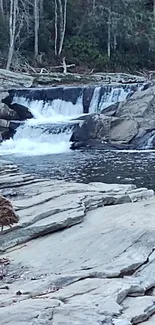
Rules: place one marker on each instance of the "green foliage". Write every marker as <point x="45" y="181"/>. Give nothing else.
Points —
<point x="132" y="35"/>
<point x="4" y="34"/>
<point x="83" y="51"/>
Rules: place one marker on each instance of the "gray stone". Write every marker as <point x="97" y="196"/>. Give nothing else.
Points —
<point x="150" y="321"/>
<point x="141" y="104"/>
<point x="123" y="131"/>
<point x="9" y="79"/>
<point x="7" y="113"/>
<point x="82" y="254"/>
<point x="120" y="322"/>
<point x="139" y="309"/>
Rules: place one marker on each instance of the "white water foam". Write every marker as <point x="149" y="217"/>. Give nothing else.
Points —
<point x="32" y="139"/>
<point x="93" y="108"/>
<point x="55" y="111"/>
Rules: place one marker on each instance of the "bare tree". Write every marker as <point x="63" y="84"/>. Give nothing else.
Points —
<point x="154" y="8"/>
<point x="109" y="34"/>
<point x="56" y="26"/>
<point x="2" y="7"/>
<point x="94" y="4"/>
<point x="63" y="16"/>
<point x="12" y="30"/>
<point x="41" y="6"/>
<point x="36" y="28"/>
<point x="60" y="24"/>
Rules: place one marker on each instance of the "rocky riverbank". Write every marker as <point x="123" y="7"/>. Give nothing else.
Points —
<point x="125" y="125"/>
<point x="9" y="79"/>
<point x="81" y="254"/>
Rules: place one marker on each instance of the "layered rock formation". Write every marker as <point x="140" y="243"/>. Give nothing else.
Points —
<point x="82" y="254"/>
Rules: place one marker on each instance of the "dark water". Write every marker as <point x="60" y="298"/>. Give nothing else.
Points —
<point x="93" y="165"/>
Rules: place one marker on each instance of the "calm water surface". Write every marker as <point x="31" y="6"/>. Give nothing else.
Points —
<point x="93" y="166"/>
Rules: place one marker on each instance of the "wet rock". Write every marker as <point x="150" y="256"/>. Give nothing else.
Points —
<point x="94" y="127"/>
<point x="22" y="111"/>
<point x="123" y="131"/>
<point x="140" y="105"/>
<point x="109" y="132"/>
<point x="6" y="113"/>
<point x="112" y="109"/>
<point x="87" y="97"/>
<point x="7" y="129"/>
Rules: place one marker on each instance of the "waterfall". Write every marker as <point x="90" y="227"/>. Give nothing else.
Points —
<point x="114" y="96"/>
<point x="45" y="133"/>
<point x="54" y="112"/>
<point x="31" y="140"/>
<point x="93" y="108"/>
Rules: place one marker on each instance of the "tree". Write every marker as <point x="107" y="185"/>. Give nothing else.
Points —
<point x="36" y="28"/>
<point x="12" y="30"/>
<point x="93" y="34"/>
<point x="60" y="24"/>
<point x="2" y="7"/>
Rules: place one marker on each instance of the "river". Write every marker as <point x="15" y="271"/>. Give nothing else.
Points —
<point x="93" y="166"/>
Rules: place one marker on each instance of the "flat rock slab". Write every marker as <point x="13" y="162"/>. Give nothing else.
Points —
<point x="81" y="253"/>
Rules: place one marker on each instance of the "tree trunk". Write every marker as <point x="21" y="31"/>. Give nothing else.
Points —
<point x="12" y="30"/>
<point x="63" y="16"/>
<point x="2" y="7"/>
<point x="109" y="36"/>
<point x="36" y="28"/>
<point x="115" y="42"/>
<point x="56" y="27"/>
<point x="109" y="29"/>
<point x="94" y="4"/>
<point x="41" y="6"/>
<point x="154" y="8"/>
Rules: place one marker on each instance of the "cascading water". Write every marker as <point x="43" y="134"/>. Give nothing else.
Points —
<point x="35" y="137"/>
<point x="40" y="135"/>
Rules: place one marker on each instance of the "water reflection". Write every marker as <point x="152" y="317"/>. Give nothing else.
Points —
<point x="89" y="166"/>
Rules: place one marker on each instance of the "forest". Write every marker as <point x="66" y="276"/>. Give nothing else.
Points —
<point x="98" y="35"/>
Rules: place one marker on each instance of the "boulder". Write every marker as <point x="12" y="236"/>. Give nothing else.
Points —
<point x="140" y="105"/>
<point x="7" y="113"/>
<point x="123" y="130"/>
<point x="7" y="129"/>
<point x="112" y="109"/>
<point x="20" y="111"/>
<point x="95" y="126"/>
<point x="111" y="132"/>
<point x="4" y="124"/>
